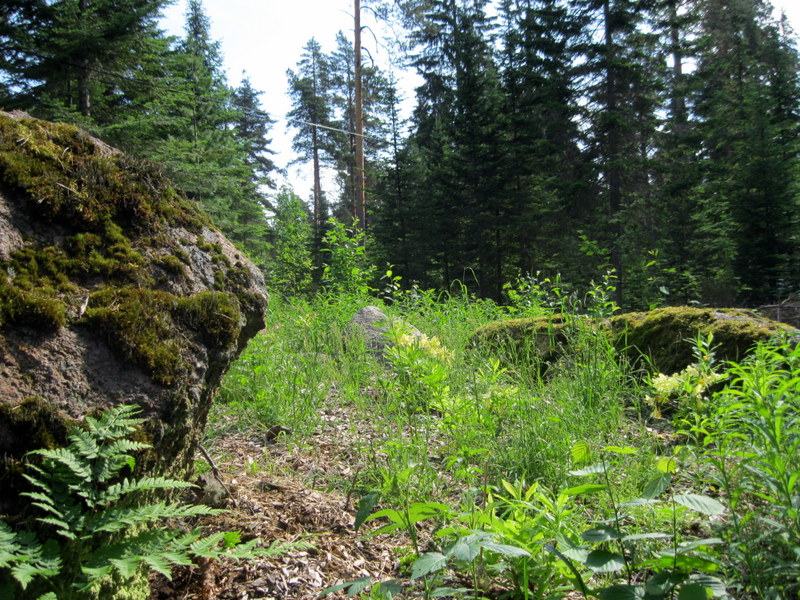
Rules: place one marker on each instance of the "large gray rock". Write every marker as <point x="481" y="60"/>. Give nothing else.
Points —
<point x="373" y="326"/>
<point x="114" y="288"/>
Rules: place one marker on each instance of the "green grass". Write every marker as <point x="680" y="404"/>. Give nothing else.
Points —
<point x="503" y="446"/>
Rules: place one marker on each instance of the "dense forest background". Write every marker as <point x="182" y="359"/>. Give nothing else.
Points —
<point x="655" y="141"/>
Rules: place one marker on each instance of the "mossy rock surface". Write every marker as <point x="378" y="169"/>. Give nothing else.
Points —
<point x="665" y="335"/>
<point x="662" y="335"/>
<point x="539" y="339"/>
<point x="114" y="288"/>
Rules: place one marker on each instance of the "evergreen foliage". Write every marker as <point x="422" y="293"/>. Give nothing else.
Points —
<point x="666" y="132"/>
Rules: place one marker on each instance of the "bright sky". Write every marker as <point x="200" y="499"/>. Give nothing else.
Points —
<point x="266" y="37"/>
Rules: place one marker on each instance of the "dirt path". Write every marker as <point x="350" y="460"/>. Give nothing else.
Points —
<point x="272" y="498"/>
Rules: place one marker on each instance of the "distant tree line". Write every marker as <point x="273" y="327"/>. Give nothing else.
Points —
<point x="654" y="139"/>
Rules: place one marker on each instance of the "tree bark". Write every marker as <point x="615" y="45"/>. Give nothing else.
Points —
<point x="359" y="206"/>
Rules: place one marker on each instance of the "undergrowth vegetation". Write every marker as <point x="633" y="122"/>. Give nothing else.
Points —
<point x="512" y="478"/>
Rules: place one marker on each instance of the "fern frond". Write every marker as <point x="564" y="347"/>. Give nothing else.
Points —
<point x="119" y="518"/>
<point x="124" y="446"/>
<point x="44" y="501"/>
<point x="247" y="550"/>
<point x="66" y="458"/>
<point x="114" y="423"/>
<point x="27" y="558"/>
<point x="207" y="547"/>
<point x="62" y="527"/>
<point x="84" y="444"/>
<point x="159" y="563"/>
<point x="127" y="486"/>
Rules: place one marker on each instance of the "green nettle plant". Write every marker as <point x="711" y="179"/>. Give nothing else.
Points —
<point x="751" y="444"/>
<point x="653" y="564"/>
<point x="101" y="526"/>
<point x="420" y="364"/>
<point x="687" y="393"/>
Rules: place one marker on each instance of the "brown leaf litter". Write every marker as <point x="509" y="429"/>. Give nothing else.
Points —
<point x="272" y="498"/>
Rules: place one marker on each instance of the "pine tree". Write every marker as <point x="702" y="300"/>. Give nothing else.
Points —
<point x="311" y="117"/>
<point x="376" y="93"/>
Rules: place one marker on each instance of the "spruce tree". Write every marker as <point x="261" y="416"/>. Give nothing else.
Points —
<point x="66" y="59"/>
<point x="546" y="171"/>
<point x="747" y="103"/>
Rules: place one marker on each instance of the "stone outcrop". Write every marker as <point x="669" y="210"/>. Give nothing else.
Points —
<point x="372" y="325"/>
<point x="114" y="288"/>
<point x="662" y="335"/>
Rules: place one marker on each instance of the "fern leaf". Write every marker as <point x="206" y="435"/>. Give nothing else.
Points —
<point x="207" y="547"/>
<point x="126" y="486"/>
<point x="95" y="574"/>
<point x="159" y="563"/>
<point x="114" y="423"/>
<point x="44" y="502"/>
<point x="84" y="444"/>
<point x="66" y="458"/>
<point x="124" y="446"/>
<point x="118" y="518"/>
<point x="27" y="558"/>
<point x="245" y="551"/>
<point x="126" y="566"/>
<point x="177" y="558"/>
<point x="62" y="528"/>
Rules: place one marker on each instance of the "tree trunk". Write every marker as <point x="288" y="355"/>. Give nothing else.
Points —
<point x="359" y="206"/>
<point x="84" y="99"/>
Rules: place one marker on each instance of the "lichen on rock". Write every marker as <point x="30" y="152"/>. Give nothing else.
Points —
<point x="114" y="288"/>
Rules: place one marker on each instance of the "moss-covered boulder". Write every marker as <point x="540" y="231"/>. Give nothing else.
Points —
<point x="114" y="288"/>
<point x="537" y="339"/>
<point x="664" y="335"/>
<point x="660" y="339"/>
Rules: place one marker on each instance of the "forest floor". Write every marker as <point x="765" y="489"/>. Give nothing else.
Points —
<point x="283" y="493"/>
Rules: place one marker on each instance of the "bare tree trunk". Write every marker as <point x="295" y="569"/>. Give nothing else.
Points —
<point x="359" y="206"/>
<point x="317" y="185"/>
<point x="84" y="99"/>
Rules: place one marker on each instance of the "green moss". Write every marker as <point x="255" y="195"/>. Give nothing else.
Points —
<point x="660" y="339"/>
<point x="664" y="335"/>
<point x="110" y="211"/>
<point x="29" y="425"/>
<point x="171" y="264"/>
<point x="215" y="315"/>
<point x="144" y="326"/>
<point x="32" y="424"/>
<point x="36" y="309"/>
<point x="66" y="178"/>
<point x="183" y="256"/>
<point x="542" y="336"/>
<point x="139" y="326"/>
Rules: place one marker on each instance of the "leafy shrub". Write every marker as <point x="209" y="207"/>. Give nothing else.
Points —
<point x="751" y="445"/>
